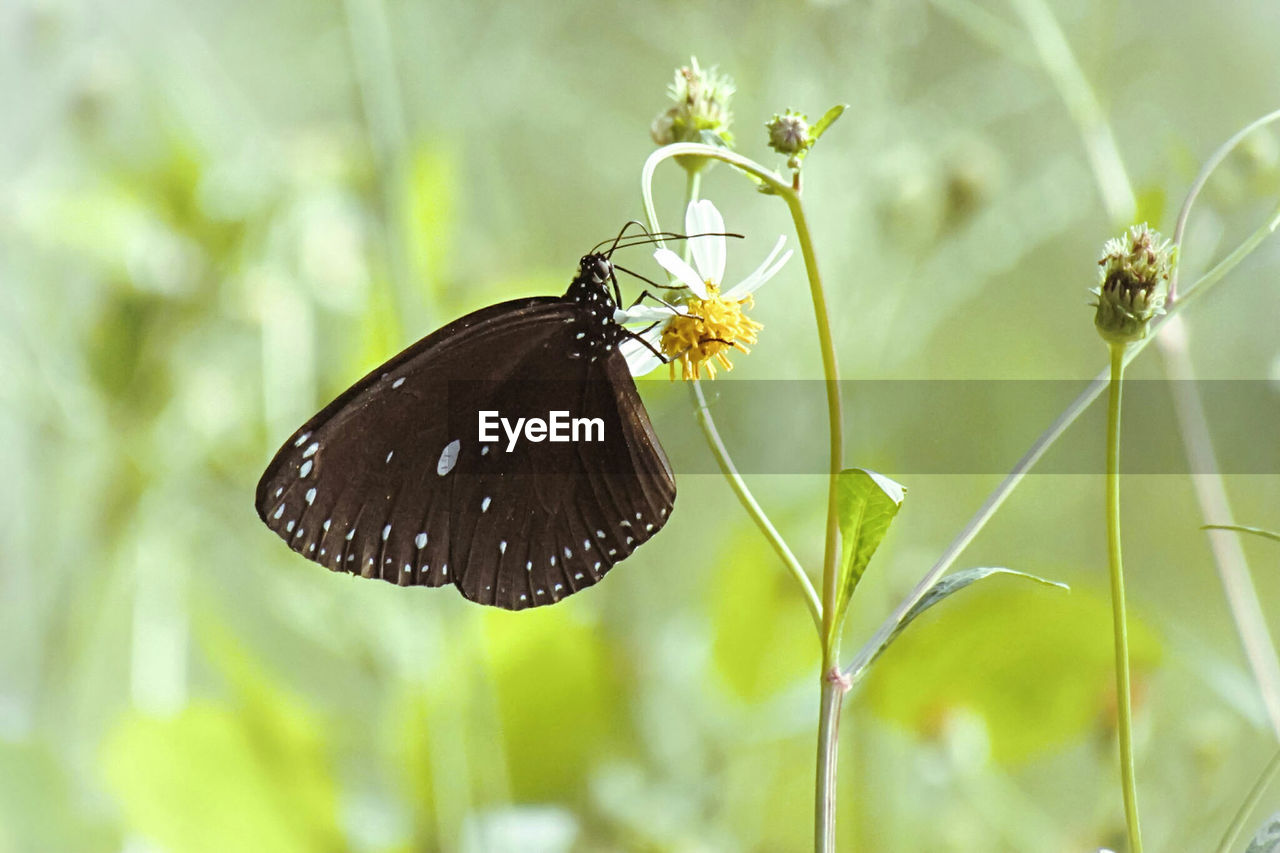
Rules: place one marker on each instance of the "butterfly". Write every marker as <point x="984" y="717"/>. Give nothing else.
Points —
<point x="397" y="479"/>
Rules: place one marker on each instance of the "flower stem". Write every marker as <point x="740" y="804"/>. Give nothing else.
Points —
<point x="705" y="419"/>
<point x="833" y="691"/>
<point x="1124" y="721"/>
<point x="833" y="685"/>
<point x="1207" y="282"/>
<point x="748" y="501"/>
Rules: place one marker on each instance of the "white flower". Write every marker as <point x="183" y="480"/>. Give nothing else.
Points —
<point x="697" y="329"/>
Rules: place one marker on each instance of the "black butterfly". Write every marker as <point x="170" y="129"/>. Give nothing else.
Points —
<point x="391" y="481"/>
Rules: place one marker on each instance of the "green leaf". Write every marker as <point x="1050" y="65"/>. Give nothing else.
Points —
<point x="866" y="504"/>
<point x="828" y="119"/>
<point x="950" y="585"/>
<point x="1240" y="528"/>
<point x="1267" y="839"/>
<point x="1036" y="670"/>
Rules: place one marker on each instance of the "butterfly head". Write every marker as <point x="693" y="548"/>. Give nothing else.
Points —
<point x="596" y="269"/>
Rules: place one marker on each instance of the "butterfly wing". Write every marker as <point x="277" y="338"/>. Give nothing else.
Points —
<point x="391" y="481"/>
<point x="359" y="488"/>
<point x="569" y="511"/>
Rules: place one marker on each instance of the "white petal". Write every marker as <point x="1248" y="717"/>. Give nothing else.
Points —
<point x="647" y="313"/>
<point x="763" y="273"/>
<point x="708" y="252"/>
<point x="674" y="264"/>
<point x="640" y="359"/>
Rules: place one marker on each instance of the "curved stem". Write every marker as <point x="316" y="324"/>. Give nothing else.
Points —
<point x="1042" y="444"/>
<point x="1119" y="619"/>
<point x="1251" y="801"/>
<point x="1202" y="178"/>
<point x="748" y="501"/>
<point x="832" y="685"/>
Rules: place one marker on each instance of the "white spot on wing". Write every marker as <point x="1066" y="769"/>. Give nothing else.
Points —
<point x="389" y="455"/>
<point x="386" y="531"/>
<point x="305" y="469"/>
<point x="398" y="382"/>
<point x="420" y="540"/>
<point x="502" y="546"/>
<point x="279" y="512"/>
<point x="311" y="496"/>
<point x="484" y="504"/>
<point x="311" y="450"/>
<point x="351" y="534"/>
<point x="302" y="439"/>
<point x="448" y="457"/>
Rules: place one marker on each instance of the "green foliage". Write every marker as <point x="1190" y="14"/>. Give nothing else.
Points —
<point x="867" y="503"/>
<point x="560" y="700"/>
<point x="1036" y="668"/>
<point x="763" y="639"/>
<point x="947" y="586"/>
<point x="214" y="777"/>
<point x="41" y="808"/>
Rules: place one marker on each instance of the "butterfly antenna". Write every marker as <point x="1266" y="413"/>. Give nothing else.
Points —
<point x="649" y="237"/>
<point x="667" y="235"/>
<point x="649" y="281"/>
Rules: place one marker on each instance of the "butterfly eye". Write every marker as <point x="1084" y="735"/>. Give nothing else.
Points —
<point x="601" y="268"/>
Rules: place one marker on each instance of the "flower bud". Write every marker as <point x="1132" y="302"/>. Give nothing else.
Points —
<point x="700" y="107"/>
<point x="789" y="133"/>
<point x="1134" y="283"/>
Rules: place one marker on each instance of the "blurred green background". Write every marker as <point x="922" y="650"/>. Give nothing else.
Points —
<point x="215" y="216"/>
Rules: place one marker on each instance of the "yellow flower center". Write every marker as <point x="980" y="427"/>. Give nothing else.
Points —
<point x="712" y="326"/>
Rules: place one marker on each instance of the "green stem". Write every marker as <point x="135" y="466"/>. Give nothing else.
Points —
<point x="1215" y="159"/>
<point x="856" y="669"/>
<point x="833" y="687"/>
<point x="748" y="502"/>
<point x="1211" y="492"/>
<point x="828" y="757"/>
<point x="1251" y="801"/>
<point x="693" y="184"/>
<point x="1124" y="722"/>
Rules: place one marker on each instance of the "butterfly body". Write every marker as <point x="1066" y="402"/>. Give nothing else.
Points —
<point x="392" y="480"/>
